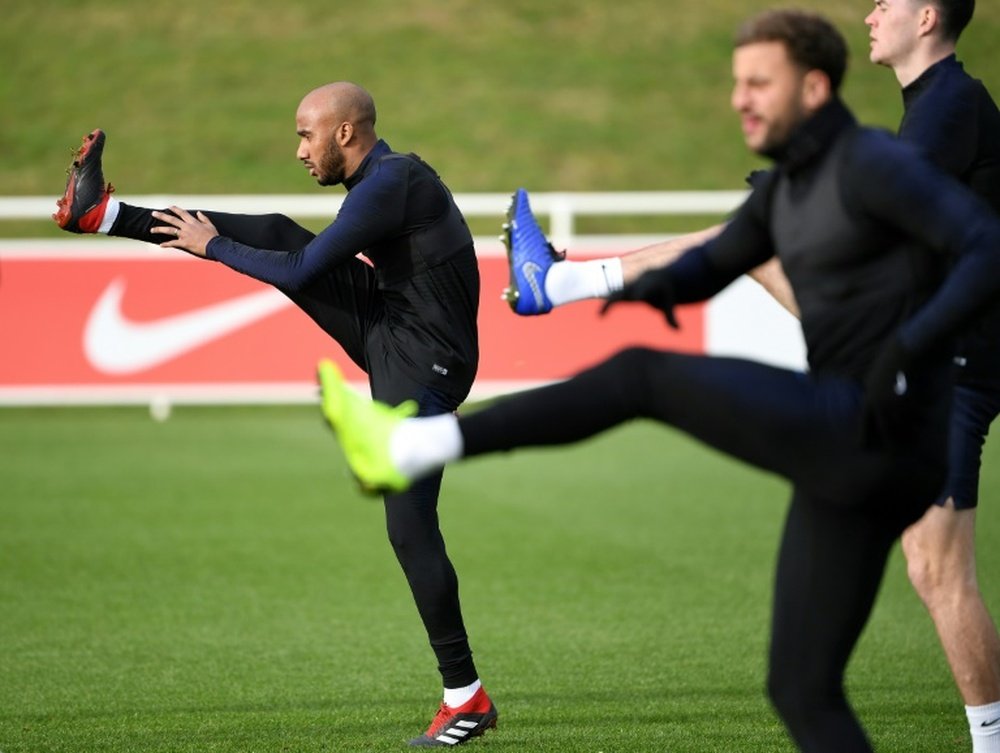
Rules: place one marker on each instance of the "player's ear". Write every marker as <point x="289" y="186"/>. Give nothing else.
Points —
<point x="816" y="89"/>
<point x="344" y="133"/>
<point x="928" y="20"/>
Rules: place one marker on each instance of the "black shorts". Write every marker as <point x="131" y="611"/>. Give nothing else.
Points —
<point x="972" y="411"/>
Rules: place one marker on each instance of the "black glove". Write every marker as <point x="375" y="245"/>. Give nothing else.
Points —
<point x="886" y="391"/>
<point x="654" y="287"/>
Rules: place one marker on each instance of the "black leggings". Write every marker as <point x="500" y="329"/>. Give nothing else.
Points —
<point x="347" y="305"/>
<point x="848" y="507"/>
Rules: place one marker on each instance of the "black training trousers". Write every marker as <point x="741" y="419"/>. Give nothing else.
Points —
<point x="348" y="306"/>
<point x="848" y="507"/>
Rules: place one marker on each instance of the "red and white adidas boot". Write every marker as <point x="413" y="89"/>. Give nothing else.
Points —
<point x="457" y="725"/>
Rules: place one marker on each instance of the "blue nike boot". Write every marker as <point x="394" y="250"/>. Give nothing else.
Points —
<point x="529" y="256"/>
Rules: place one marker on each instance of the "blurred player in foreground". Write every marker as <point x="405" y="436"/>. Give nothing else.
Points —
<point x="951" y="118"/>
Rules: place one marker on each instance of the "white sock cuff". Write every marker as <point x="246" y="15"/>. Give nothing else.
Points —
<point x="614" y="274"/>
<point x="419" y="446"/>
<point x="455" y="697"/>
<point x="110" y="215"/>
<point x="985" y="712"/>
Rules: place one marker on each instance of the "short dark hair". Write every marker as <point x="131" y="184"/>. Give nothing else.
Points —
<point x="812" y="42"/>
<point x="955" y="16"/>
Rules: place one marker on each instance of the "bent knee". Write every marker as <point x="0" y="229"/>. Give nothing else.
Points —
<point x="940" y="572"/>
<point x="919" y="565"/>
<point x="634" y="366"/>
<point x="633" y="359"/>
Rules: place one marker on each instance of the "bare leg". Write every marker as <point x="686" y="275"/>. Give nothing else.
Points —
<point x="770" y="275"/>
<point x="941" y="563"/>
<point x="637" y="262"/>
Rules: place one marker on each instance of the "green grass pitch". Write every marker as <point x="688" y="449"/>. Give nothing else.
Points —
<point x="214" y="583"/>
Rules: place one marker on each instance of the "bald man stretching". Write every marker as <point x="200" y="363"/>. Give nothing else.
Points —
<point x="408" y="320"/>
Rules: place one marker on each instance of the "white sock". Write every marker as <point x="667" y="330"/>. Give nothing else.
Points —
<point x="984" y="724"/>
<point x="455" y="697"/>
<point x="569" y="281"/>
<point x="110" y="215"/>
<point x="419" y="446"/>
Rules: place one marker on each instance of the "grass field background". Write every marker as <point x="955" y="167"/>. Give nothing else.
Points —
<point x="214" y="583"/>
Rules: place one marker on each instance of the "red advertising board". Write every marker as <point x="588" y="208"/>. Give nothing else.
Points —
<point x="101" y="320"/>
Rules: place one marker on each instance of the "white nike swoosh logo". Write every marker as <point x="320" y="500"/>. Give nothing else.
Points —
<point x="900" y="386"/>
<point x="531" y="271"/>
<point x="116" y="345"/>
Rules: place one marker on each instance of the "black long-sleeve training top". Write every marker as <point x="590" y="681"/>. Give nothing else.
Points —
<point x="400" y="214"/>
<point x="951" y="118"/>
<point x="863" y="227"/>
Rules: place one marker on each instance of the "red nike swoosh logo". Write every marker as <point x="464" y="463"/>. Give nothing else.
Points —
<point x="114" y="344"/>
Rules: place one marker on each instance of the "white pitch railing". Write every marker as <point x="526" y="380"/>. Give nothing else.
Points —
<point x="562" y="208"/>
